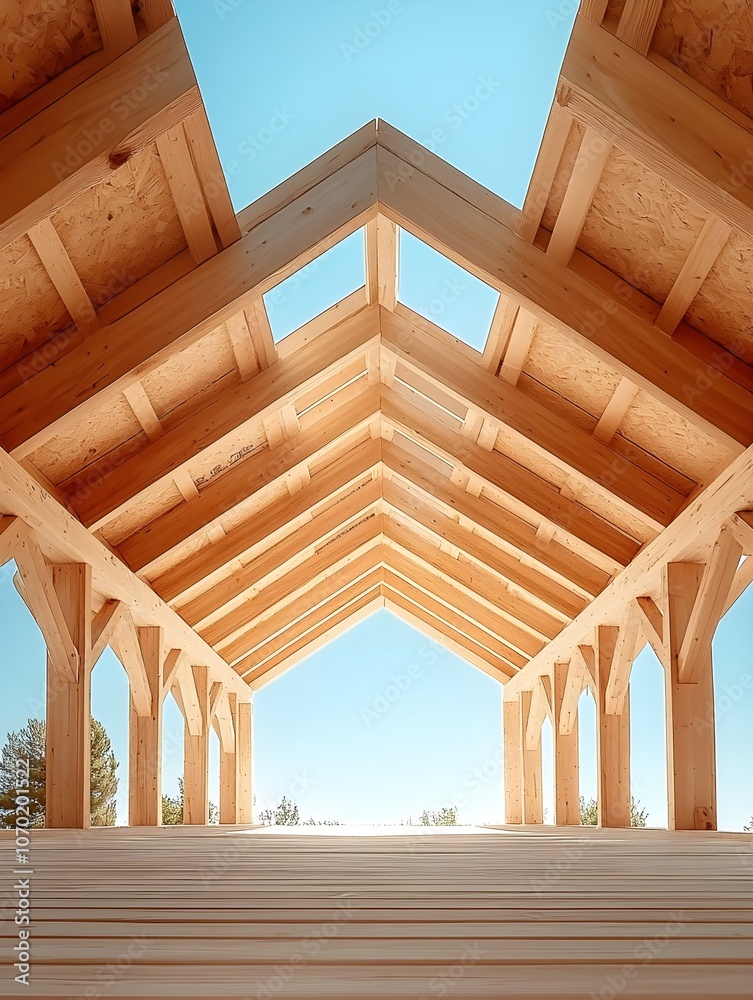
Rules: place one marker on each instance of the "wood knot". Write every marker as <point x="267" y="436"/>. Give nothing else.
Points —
<point x="118" y="157"/>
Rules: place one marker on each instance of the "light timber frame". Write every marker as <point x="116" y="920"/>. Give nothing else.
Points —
<point x="214" y="535"/>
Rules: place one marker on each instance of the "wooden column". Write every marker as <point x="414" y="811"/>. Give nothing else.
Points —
<point x="513" y="760"/>
<point x="565" y="734"/>
<point x="229" y="771"/>
<point x="691" y="745"/>
<point x="243" y="750"/>
<point x="196" y="757"/>
<point x="145" y="745"/>
<point x="68" y="794"/>
<point x="612" y="739"/>
<point x="533" y="805"/>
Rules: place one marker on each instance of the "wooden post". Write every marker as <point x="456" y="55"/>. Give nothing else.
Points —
<point x="612" y="739"/>
<point x="243" y="750"/>
<point x="566" y="786"/>
<point x="691" y="745"/>
<point x="513" y="761"/>
<point x="145" y="748"/>
<point x="533" y="805"/>
<point x="196" y="757"/>
<point x="229" y="771"/>
<point x="68" y="773"/>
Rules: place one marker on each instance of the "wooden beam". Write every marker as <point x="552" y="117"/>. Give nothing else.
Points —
<point x="13" y="533"/>
<point x="602" y="324"/>
<point x="691" y="743"/>
<point x="652" y="623"/>
<point x="500" y="331"/>
<point x="245" y="478"/>
<point x="716" y="583"/>
<point x="127" y="647"/>
<point x="211" y="177"/>
<point x="185" y="684"/>
<point x="388" y="262"/>
<point x="49" y="613"/>
<point x="622" y="662"/>
<point x="147" y="336"/>
<point x="571" y="449"/>
<point x="196" y="757"/>
<point x="612" y="739"/>
<point x="741" y="523"/>
<point x="710" y="243"/>
<point x="615" y="410"/>
<point x="73" y="145"/>
<point x="536" y="715"/>
<point x="608" y="86"/>
<point x="518" y="345"/>
<point x="565" y="748"/>
<point x="568" y="685"/>
<point x="638" y="22"/>
<point x="68" y="716"/>
<point x="145" y="745"/>
<point x="513" y="760"/>
<point x="116" y="25"/>
<point x="144" y="412"/>
<point x="218" y="424"/>
<point x="594" y="9"/>
<point x="553" y="145"/>
<point x="104" y="626"/>
<point x="174" y="661"/>
<point x="229" y="769"/>
<point x="62" y="274"/>
<point x="243" y="750"/>
<point x="584" y="181"/>
<point x="185" y="188"/>
<point x="533" y="804"/>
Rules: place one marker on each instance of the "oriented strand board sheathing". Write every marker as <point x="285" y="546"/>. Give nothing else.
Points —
<point x="562" y="177"/>
<point x="107" y="433"/>
<point x="668" y="436"/>
<point x="723" y="308"/>
<point x="122" y="229"/>
<point x="639" y="227"/>
<point x="190" y="372"/>
<point x="712" y="41"/>
<point x="238" y="912"/>
<point x="573" y="373"/>
<point x="39" y="39"/>
<point x="31" y="310"/>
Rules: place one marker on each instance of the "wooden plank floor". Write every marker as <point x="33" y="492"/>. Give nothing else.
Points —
<point x="238" y="912"/>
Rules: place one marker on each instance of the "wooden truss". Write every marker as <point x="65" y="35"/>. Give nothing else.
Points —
<point x="215" y="505"/>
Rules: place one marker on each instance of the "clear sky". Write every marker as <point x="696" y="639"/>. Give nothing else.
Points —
<point x="283" y="82"/>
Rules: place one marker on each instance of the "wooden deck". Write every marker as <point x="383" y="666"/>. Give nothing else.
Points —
<point x="244" y="912"/>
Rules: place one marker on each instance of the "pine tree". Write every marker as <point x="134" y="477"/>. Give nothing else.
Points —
<point x="30" y="743"/>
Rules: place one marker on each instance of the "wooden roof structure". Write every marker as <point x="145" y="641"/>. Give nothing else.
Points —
<point x="251" y="498"/>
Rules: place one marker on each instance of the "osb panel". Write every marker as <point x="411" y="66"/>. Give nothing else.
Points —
<point x="31" y="310"/>
<point x="671" y="438"/>
<point x="39" y="39"/>
<point x="158" y="502"/>
<point x="188" y="373"/>
<point x="120" y="230"/>
<point x="640" y="227"/>
<point x="723" y="308"/>
<point x="562" y="365"/>
<point x="88" y="440"/>
<point x="562" y="177"/>
<point x="634" y="451"/>
<point x="712" y="41"/>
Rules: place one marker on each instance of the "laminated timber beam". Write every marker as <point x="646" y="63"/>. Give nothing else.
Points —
<point x="63" y="539"/>
<point x="245" y="478"/>
<point x="220" y="422"/>
<point x="689" y="538"/>
<point x="76" y="142"/>
<point x="93" y="373"/>
<point x="570" y="448"/>
<point x="490" y="249"/>
<point x="608" y="86"/>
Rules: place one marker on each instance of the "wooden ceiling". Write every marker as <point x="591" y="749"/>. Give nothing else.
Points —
<point x="272" y="493"/>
